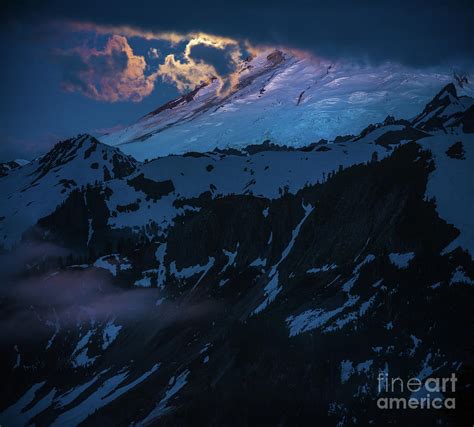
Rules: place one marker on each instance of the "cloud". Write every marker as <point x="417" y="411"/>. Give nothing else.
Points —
<point x="125" y="30"/>
<point x="180" y="70"/>
<point x="33" y="304"/>
<point x="117" y="74"/>
<point x="413" y="32"/>
<point x="33" y="307"/>
<point x="69" y="298"/>
<point x="112" y="74"/>
<point x="191" y="71"/>
<point x="185" y="74"/>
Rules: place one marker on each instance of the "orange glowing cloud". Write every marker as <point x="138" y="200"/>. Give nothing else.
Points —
<point x="188" y="72"/>
<point x="117" y="74"/>
<point x="185" y="75"/>
<point x="112" y="74"/>
<point x="126" y="31"/>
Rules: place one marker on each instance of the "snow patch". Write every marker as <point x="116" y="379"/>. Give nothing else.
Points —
<point x="106" y="393"/>
<point x="325" y="267"/>
<point x="258" y="262"/>
<point x="401" y="260"/>
<point x="174" y="386"/>
<point x="459" y="276"/>
<point x="313" y="319"/>
<point x="109" y="335"/>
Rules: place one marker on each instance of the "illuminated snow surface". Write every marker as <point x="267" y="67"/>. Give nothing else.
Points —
<point x="288" y="99"/>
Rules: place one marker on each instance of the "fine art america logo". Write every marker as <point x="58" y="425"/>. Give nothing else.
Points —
<point x="426" y="394"/>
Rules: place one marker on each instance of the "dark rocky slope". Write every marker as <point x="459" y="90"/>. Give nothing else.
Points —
<point x="257" y="373"/>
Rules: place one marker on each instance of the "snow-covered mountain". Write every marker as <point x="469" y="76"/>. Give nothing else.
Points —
<point x="257" y="284"/>
<point x="32" y="191"/>
<point x="283" y="97"/>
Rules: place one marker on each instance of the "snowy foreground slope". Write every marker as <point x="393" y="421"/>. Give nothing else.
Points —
<point x="284" y="97"/>
<point x="266" y="285"/>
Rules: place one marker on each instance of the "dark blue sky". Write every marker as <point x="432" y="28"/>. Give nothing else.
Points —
<point x="35" y="112"/>
<point x="41" y="59"/>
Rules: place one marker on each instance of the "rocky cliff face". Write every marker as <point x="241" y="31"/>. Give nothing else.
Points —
<point x="240" y="288"/>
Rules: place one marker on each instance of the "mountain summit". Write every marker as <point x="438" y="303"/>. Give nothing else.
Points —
<point x="446" y="110"/>
<point x="283" y="97"/>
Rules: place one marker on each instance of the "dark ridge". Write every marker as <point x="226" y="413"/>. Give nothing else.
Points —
<point x="439" y="104"/>
<point x="175" y="102"/>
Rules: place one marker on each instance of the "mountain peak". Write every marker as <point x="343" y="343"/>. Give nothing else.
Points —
<point x="450" y="89"/>
<point x="444" y="97"/>
<point x="277" y="92"/>
<point x="111" y="160"/>
<point x="440" y="109"/>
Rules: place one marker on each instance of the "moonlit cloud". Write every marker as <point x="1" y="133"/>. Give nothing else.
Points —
<point x="185" y="74"/>
<point x="112" y="74"/>
<point x="189" y="72"/>
<point x="126" y="31"/>
<point x="116" y="73"/>
<point x="419" y="33"/>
